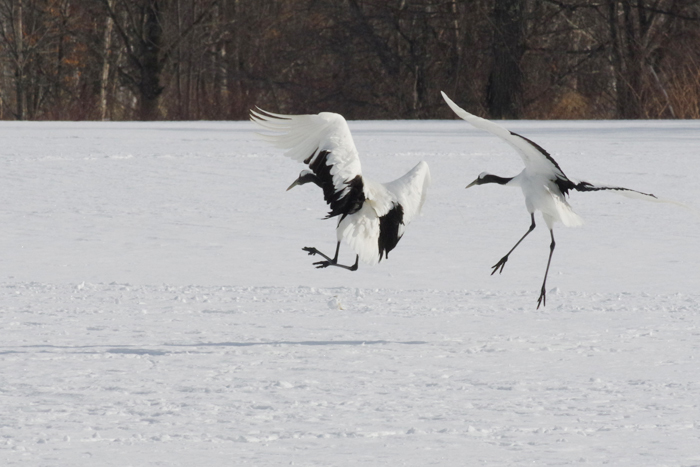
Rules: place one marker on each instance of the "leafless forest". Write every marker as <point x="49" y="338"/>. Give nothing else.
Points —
<point x="366" y="59"/>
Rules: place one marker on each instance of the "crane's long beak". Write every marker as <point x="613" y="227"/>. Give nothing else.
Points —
<point x="296" y="182"/>
<point x="472" y="183"/>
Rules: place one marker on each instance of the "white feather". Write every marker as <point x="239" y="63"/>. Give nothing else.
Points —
<point x="360" y="232"/>
<point x="411" y="190"/>
<point x="562" y="210"/>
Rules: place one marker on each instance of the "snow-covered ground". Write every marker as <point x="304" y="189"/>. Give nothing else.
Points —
<point x="157" y="309"/>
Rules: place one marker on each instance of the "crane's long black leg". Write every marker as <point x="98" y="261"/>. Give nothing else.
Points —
<point x="501" y="264"/>
<point x="330" y="261"/>
<point x="543" y="292"/>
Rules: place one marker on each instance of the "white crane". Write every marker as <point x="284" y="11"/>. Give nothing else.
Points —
<point x="372" y="216"/>
<point x="543" y="183"/>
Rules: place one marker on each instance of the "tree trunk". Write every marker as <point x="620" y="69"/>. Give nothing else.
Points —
<point x="104" y="79"/>
<point x="505" y="86"/>
<point x="456" y="49"/>
<point x="626" y="60"/>
<point x="149" y="87"/>
<point x="19" y="70"/>
<point x="235" y="88"/>
<point x="633" y="67"/>
<point x="220" y="59"/>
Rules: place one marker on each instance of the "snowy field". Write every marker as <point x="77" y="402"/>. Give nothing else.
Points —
<point x="157" y="309"/>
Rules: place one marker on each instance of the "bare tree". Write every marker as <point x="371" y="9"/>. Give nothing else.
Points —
<point x="140" y="26"/>
<point x="12" y="30"/>
<point x="202" y="59"/>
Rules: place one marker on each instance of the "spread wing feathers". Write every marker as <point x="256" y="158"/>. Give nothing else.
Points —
<point x="585" y="186"/>
<point x="536" y="159"/>
<point x="626" y="192"/>
<point x="323" y="142"/>
<point x="375" y="230"/>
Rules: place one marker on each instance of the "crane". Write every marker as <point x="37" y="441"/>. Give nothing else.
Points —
<point x="372" y="216"/>
<point x="543" y="183"/>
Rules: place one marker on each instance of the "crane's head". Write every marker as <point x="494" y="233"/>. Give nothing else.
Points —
<point x="305" y="176"/>
<point x="485" y="177"/>
<point x="480" y="180"/>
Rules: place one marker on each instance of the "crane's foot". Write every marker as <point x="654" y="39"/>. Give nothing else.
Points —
<point x="320" y="264"/>
<point x="329" y="261"/>
<point x="313" y="251"/>
<point x="543" y="298"/>
<point x="323" y="264"/>
<point x="501" y="264"/>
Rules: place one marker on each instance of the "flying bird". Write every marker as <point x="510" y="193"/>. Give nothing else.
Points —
<point x="543" y="182"/>
<point x="372" y="216"/>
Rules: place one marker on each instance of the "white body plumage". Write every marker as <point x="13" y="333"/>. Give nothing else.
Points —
<point x="362" y="229"/>
<point x="542" y="194"/>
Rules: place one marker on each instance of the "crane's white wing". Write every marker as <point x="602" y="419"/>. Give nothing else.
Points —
<point x="373" y="231"/>
<point x="536" y="159"/>
<point x="410" y="190"/>
<point x="323" y="142"/>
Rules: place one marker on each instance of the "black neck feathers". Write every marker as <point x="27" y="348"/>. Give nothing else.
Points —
<point x="342" y="202"/>
<point x="490" y="178"/>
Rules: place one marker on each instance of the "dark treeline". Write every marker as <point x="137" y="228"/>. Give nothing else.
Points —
<point x="366" y="59"/>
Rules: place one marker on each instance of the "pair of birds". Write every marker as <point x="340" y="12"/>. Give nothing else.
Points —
<point x="373" y="216"/>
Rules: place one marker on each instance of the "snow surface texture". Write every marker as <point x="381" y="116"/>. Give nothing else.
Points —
<point x="157" y="308"/>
